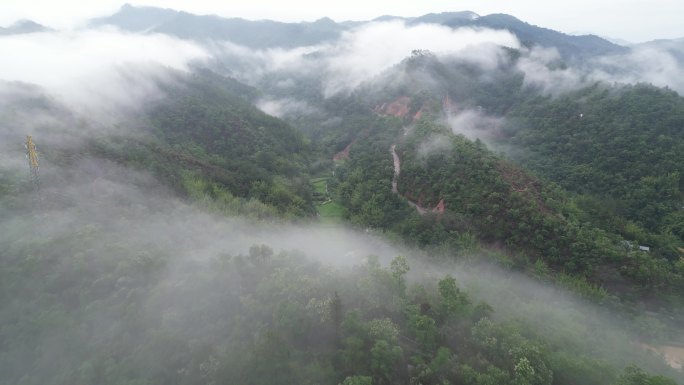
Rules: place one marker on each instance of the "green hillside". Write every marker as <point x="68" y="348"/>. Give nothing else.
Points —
<point x="449" y="221"/>
<point x="623" y="147"/>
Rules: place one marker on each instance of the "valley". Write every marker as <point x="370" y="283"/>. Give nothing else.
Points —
<point x="451" y="198"/>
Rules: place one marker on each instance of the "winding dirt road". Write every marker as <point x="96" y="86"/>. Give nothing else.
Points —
<point x="397" y="170"/>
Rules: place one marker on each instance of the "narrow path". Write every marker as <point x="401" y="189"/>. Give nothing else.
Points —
<point x="397" y="171"/>
<point x="673" y="355"/>
<point x="397" y="168"/>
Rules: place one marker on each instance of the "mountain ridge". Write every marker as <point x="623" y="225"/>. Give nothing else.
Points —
<point x="24" y="27"/>
<point x="270" y="33"/>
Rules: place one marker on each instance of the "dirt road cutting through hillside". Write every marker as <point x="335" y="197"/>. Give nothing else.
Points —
<point x="673" y="355"/>
<point x="397" y="170"/>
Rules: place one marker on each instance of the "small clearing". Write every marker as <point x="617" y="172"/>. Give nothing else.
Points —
<point x="328" y="210"/>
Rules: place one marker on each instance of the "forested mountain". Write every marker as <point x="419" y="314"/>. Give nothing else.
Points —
<point x="569" y="46"/>
<point x="487" y="212"/>
<point x="253" y="154"/>
<point x="467" y="194"/>
<point x="633" y="201"/>
<point x="435" y="18"/>
<point x="278" y="318"/>
<point x="675" y="47"/>
<point x="204" y="139"/>
<point x="22" y="27"/>
<point x="624" y="145"/>
<point x="253" y="34"/>
<point x="265" y="33"/>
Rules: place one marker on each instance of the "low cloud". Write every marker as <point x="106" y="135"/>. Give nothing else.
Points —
<point x="434" y="145"/>
<point x="660" y="65"/>
<point x="122" y="216"/>
<point x="95" y="69"/>
<point x="544" y="70"/>
<point x="286" y="107"/>
<point x="474" y="124"/>
<point x="119" y="213"/>
<point x="365" y="52"/>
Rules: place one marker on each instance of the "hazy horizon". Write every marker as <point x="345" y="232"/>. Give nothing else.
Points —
<point x="656" y="19"/>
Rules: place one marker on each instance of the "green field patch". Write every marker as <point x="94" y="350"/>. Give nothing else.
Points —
<point x="320" y="193"/>
<point x="330" y="211"/>
<point x="320" y="185"/>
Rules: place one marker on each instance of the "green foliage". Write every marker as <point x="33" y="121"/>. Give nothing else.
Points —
<point x="270" y="319"/>
<point x="454" y="302"/>
<point x="545" y="231"/>
<point x="497" y="201"/>
<point x="215" y="198"/>
<point x="384" y="358"/>
<point x="622" y="144"/>
<point x="207" y="131"/>
<point x="617" y="149"/>
<point x="331" y="211"/>
<point x="357" y="380"/>
<point x="122" y="313"/>
<point x="636" y="376"/>
<point x="137" y="315"/>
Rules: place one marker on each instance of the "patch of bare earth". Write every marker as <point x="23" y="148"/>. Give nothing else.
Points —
<point x="344" y="154"/>
<point x="673" y="355"/>
<point x="400" y="107"/>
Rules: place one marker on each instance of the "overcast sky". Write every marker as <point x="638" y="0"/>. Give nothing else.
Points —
<point x="631" y="20"/>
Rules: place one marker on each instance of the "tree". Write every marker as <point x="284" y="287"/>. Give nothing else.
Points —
<point x="357" y="380"/>
<point x="384" y="358"/>
<point x="636" y="376"/>
<point x="454" y="302"/>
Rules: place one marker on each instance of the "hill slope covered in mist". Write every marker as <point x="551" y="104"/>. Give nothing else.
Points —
<point x="481" y="201"/>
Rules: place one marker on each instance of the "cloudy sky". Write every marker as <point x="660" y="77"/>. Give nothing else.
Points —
<point x="632" y="20"/>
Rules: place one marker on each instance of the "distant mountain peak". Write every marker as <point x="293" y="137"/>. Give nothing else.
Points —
<point x="24" y="23"/>
<point x="249" y="33"/>
<point x="24" y="26"/>
<point x="269" y="33"/>
<point x="456" y="14"/>
<point x="325" y="20"/>
<point x="435" y="18"/>
<point x="569" y="46"/>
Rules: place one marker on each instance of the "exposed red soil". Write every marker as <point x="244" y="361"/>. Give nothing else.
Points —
<point x="344" y="154"/>
<point x="439" y="209"/>
<point x="399" y="107"/>
<point x="421" y="208"/>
